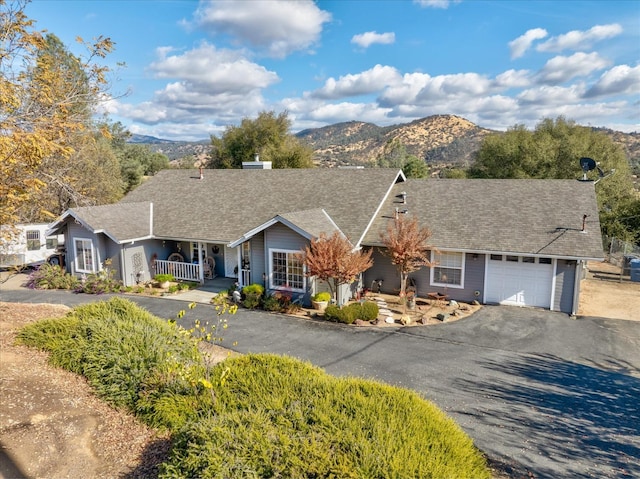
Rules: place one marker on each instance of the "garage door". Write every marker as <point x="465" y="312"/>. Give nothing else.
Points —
<point x="519" y="280"/>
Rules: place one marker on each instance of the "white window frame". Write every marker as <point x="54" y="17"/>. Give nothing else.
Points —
<point x="272" y="285"/>
<point x="84" y="241"/>
<point x="435" y="258"/>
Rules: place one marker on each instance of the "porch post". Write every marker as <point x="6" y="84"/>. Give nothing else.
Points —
<point x="200" y="263"/>
<point x="240" y="278"/>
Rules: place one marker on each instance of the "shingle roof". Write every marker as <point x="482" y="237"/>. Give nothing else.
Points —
<point x="313" y="222"/>
<point x="120" y="221"/>
<point x="225" y="204"/>
<point x="519" y="216"/>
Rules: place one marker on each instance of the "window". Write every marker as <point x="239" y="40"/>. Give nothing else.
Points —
<point x="33" y="240"/>
<point x="544" y="260"/>
<point x="84" y="255"/>
<point x="512" y="258"/>
<point x="52" y="242"/>
<point x="496" y="257"/>
<point x="287" y="271"/>
<point x="448" y="269"/>
<point x="528" y="259"/>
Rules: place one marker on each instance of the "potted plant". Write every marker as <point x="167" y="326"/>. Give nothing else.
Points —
<point x="320" y="300"/>
<point x="164" y="280"/>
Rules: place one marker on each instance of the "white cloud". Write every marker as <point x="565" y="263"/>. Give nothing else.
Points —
<point x="621" y="79"/>
<point x="561" y="69"/>
<point x="435" y="3"/>
<point x="513" y="79"/>
<point x="369" y="81"/>
<point x="521" y="44"/>
<point x="365" y="40"/>
<point x="580" y="40"/>
<point x="551" y="95"/>
<point x="216" y="71"/>
<point x="276" y="28"/>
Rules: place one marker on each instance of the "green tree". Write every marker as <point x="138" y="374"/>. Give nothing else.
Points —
<point x="553" y="150"/>
<point x="44" y="102"/>
<point x="394" y="155"/>
<point x="268" y="135"/>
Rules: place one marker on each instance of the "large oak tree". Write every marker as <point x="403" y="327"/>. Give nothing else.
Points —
<point x="46" y="101"/>
<point x="553" y="150"/>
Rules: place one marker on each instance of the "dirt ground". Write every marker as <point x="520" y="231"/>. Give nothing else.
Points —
<point x="606" y="294"/>
<point x="52" y="426"/>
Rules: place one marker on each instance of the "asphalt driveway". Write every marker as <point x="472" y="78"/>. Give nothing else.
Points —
<point x="539" y="392"/>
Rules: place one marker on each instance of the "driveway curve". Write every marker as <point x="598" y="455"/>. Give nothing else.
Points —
<point x="544" y="395"/>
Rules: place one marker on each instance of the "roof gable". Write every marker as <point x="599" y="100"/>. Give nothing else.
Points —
<point x="122" y="222"/>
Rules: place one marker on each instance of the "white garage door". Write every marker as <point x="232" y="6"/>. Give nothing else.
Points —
<point x="519" y="281"/>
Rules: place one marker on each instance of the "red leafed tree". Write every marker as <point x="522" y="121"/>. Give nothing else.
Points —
<point x="333" y="259"/>
<point x="406" y="244"/>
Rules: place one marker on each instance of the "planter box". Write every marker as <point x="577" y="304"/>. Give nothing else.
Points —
<point x="320" y="305"/>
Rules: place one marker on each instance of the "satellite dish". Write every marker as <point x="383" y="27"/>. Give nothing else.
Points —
<point x="587" y="164"/>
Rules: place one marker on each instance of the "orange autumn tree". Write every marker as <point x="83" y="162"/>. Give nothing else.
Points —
<point x="406" y="244"/>
<point x="334" y="260"/>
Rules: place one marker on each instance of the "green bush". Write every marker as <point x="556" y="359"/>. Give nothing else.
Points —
<point x="51" y="276"/>
<point x="271" y="303"/>
<point x="367" y="311"/>
<point x="252" y="294"/>
<point x="115" y="344"/>
<point x="161" y="278"/>
<point x="322" y="296"/>
<point x="280" y="417"/>
<point x="270" y="416"/>
<point x="253" y="289"/>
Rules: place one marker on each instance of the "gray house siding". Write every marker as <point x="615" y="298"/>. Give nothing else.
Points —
<point x="384" y="270"/>
<point x="258" y="259"/>
<point x="74" y="232"/>
<point x="564" y="287"/>
<point x="280" y="237"/>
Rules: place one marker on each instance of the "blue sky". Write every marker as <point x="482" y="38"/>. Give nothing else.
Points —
<point x="194" y="68"/>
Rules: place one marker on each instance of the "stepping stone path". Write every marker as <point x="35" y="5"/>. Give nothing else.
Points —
<point x="383" y="309"/>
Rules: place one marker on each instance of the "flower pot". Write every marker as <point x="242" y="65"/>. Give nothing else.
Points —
<point x="320" y="305"/>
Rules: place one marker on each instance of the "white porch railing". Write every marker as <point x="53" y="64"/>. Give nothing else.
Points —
<point x="184" y="271"/>
<point x="246" y="276"/>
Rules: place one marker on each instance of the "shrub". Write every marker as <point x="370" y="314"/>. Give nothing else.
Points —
<point x="367" y="311"/>
<point x="253" y="289"/>
<point x="99" y="283"/>
<point x="115" y="344"/>
<point x="174" y="288"/>
<point x="161" y="278"/>
<point x="322" y="296"/>
<point x="273" y="417"/>
<point x="51" y="276"/>
<point x="271" y="303"/>
<point x="252" y="294"/>
<point x="280" y="417"/>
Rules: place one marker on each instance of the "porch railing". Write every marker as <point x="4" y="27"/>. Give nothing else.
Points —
<point x="184" y="271"/>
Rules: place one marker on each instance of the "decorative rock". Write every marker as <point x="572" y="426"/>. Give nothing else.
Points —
<point x="442" y="316"/>
<point x="453" y="303"/>
<point x="424" y="320"/>
<point x="406" y="319"/>
<point x="389" y="320"/>
<point x="476" y="302"/>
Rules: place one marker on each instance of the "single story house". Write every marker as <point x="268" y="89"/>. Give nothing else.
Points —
<point x="521" y="242"/>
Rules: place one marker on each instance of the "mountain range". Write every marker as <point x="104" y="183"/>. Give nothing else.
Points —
<point x="441" y="140"/>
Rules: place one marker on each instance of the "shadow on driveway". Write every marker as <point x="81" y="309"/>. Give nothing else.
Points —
<point x="584" y="419"/>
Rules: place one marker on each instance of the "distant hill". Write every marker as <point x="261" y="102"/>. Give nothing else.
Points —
<point x="439" y="139"/>
<point x="175" y="150"/>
